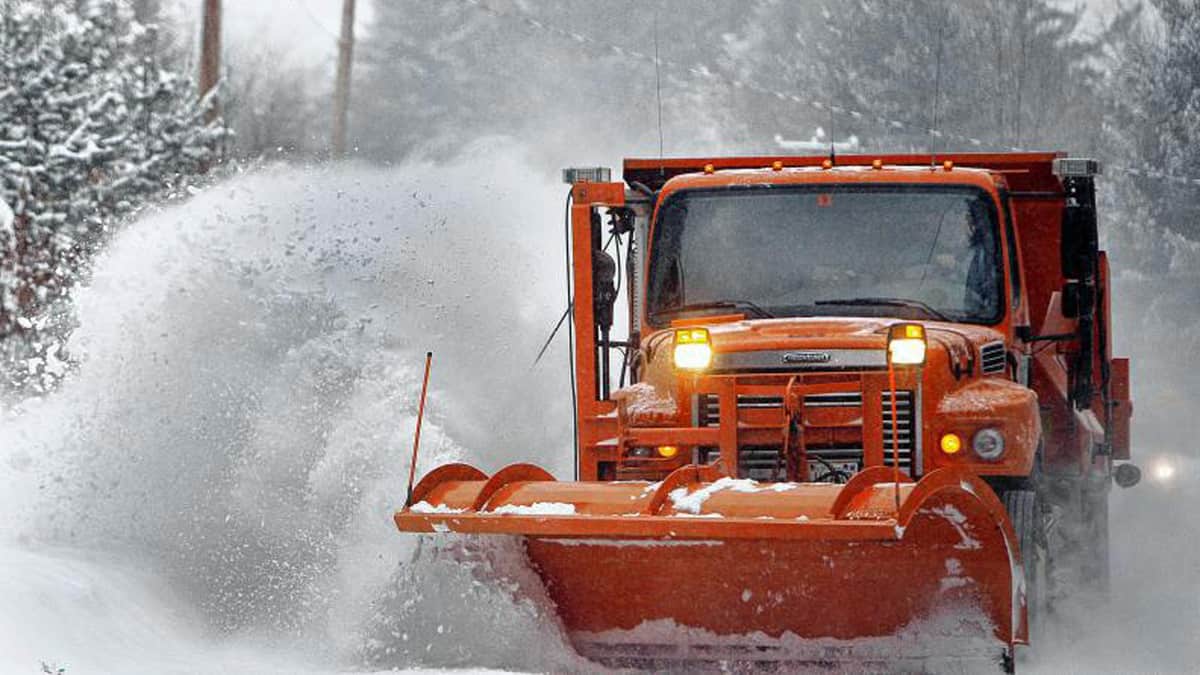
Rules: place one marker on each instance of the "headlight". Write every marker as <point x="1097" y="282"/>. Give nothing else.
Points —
<point x="1164" y="470"/>
<point x="692" y="349"/>
<point x="988" y="444"/>
<point x="906" y="344"/>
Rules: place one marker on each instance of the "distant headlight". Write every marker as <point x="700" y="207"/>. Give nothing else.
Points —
<point x="988" y="444"/>
<point x="692" y="349"/>
<point x="1163" y="470"/>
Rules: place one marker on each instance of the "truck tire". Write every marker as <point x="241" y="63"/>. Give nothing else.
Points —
<point x="1029" y="523"/>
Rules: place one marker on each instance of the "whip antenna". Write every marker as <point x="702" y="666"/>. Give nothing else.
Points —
<point x="658" y="90"/>
<point x="832" y="147"/>
<point x="412" y="468"/>
<point x="937" y="91"/>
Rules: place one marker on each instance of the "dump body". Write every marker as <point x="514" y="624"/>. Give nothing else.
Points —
<point x="783" y="472"/>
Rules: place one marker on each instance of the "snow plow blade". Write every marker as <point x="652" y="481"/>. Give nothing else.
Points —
<point x="700" y="567"/>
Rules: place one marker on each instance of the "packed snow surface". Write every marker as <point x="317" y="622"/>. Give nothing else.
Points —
<point x="536" y="509"/>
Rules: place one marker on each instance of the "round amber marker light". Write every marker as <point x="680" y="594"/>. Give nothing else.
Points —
<point x="667" y="451"/>
<point x="951" y="444"/>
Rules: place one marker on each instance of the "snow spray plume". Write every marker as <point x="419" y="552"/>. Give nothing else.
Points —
<point x="249" y="378"/>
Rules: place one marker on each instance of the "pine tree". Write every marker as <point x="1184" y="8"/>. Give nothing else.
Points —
<point x="1002" y="72"/>
<point x="435" y="75"/>
<point x="91" y="129"/>
<point x="1154" y="117"/>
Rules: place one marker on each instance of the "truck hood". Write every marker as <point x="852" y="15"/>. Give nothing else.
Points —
<point x="837" y="333"/>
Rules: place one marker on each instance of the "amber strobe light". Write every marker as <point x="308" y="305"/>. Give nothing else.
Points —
<point x="906" y="344"/>
<point x="692" y="349"/>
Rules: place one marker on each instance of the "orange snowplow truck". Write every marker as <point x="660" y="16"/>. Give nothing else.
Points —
<point x="866" y="409"/>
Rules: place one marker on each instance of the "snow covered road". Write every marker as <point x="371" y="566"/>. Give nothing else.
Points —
<point x="211" y="489"/>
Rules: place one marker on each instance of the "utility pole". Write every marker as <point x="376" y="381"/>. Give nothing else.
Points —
<point x="341" y="94"/>
<point x="210" y="54"/>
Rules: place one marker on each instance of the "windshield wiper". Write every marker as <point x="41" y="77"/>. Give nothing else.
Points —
<point x="717" y="304"/>
<point x="887" y="302"/>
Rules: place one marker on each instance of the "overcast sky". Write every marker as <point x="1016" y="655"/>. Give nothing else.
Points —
<point x="301" y="31"/>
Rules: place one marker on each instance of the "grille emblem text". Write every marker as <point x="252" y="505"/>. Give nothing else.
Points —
<point x="807" y="357"/>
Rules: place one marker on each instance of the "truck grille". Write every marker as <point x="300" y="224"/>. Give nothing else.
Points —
<point x="903" y="428"/>
<point x="764" y="462"/>
<point x="708" y="406"/>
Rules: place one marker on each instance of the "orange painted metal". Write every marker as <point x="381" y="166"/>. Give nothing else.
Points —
<point x="806" y="560"/>
<point x="412" y="467"/>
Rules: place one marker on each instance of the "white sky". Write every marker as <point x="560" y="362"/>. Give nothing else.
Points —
<point x="302" y="32"/>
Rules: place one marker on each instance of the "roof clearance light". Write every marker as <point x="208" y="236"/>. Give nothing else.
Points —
<point x="906" y="344"/>
<point x="951" y="443"/>
<point x="591" y="174"/>
<point x="777" y="165"/>
<point x="709" y="168"/>
<point x="1075" y="167"/>
<point x="948" y="165"/>
<point x="877" y="164"/>
<point x="692" y="349"/>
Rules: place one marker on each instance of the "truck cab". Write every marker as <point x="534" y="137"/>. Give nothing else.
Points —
<point x="768" y="299"/>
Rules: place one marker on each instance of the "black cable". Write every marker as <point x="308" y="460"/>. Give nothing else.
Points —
<point x="617" y="292"/>
<point x="618" y="249"/>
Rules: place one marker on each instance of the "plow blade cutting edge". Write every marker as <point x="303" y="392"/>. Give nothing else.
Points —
<point x="704" y="567"/>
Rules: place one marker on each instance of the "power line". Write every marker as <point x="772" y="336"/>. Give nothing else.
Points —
<point x="315" y="21"/>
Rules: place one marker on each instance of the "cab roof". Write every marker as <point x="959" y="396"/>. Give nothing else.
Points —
<point x="1022" y="171"/>
<point x="840" y="175"/>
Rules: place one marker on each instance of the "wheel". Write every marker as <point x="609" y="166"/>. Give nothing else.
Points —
<point x="1029" y="522"/>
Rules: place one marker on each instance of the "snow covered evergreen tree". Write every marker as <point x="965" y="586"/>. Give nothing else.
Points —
<point x="432" y="75"/>
<point x="1155" y="118"/>
<point x="92" y="127"/>
<point x="1004" y="72"/>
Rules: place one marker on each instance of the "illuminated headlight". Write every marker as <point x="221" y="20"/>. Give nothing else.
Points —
<point x="1164" y="470"/>
<point x="906" y="344"/>
<point x="692" y="349"/>
<point x="988" y="444"/>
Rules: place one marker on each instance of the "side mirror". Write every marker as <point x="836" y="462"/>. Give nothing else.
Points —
<point x="1127" y="475"/>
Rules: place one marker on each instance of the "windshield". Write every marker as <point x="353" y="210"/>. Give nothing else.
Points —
<point x="907" y="251"/>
